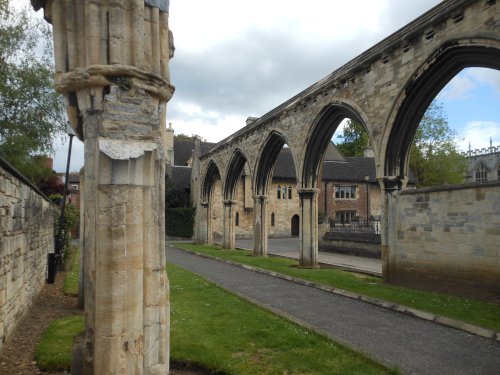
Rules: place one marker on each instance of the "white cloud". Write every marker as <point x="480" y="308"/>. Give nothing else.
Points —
<point x="478" y="133"/>
<point x="490" y="77"/>
<point x="460" y="87"/>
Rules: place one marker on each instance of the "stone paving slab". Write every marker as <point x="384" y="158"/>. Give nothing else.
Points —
<point x="414" y="345"/>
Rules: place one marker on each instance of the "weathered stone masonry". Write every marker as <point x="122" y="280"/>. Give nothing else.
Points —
<point x="387" y="89"/>
<point x="112" y="65"/>
<point x="26" y="237"/>
<point x="447" y="238"/>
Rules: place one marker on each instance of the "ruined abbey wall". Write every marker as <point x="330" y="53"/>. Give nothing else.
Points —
<point x="447" y="238"/>
<point x="26" y="237"/>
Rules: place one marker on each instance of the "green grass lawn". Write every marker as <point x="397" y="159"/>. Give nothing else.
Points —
<point x="222" y="332"/>
<point x="71" y="279"/>
<point x="53" y="353"/>
<point x="468" y="310"/>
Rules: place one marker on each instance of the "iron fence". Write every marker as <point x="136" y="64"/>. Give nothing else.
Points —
<point x="357" y="225"/>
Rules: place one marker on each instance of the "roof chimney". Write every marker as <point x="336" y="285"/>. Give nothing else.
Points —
<point x="368" y="152"/>
<point x="251" y="119"/>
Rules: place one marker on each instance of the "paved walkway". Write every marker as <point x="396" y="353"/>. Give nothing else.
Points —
<point x="289" y="248"/>
<point x="416" y="346"/>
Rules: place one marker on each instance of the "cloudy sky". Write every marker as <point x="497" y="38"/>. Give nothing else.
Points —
<point x="236" y="59"/>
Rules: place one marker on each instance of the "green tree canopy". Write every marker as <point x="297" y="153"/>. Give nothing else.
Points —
<point x="434" y="156"/>
<point x="31" y="112"/>
<point x="354" y="139"/>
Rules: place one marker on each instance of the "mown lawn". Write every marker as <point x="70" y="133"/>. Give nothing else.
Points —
<point x="221" y="332"/>
<point x="465" y="309"/>
<point x="54" y="351"/>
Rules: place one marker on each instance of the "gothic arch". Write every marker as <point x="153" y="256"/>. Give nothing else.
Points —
<point x="266" y="161"/>
<point x="212" y="174"/>
<point x="233" y="173"/>
<point x="321" y="134"/>
<point x="441" y="66"/>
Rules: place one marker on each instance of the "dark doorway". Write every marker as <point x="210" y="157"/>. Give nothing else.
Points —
<point x="295" y="225"/>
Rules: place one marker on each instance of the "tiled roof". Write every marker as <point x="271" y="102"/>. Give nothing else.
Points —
<point x="352" y="169"/>
<point x="183" y="150"/>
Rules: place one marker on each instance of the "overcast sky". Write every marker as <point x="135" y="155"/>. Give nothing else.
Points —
<point x="236" y="59"/>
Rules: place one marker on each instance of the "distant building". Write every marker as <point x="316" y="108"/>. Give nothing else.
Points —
<point x="484" y="164"/>
<point x="348" y="187"/>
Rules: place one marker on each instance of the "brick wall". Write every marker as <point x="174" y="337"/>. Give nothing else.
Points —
<point x="447" y="239"/>
<point x="26" y="237"/>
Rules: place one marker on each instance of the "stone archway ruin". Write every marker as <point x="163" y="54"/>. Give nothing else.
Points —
<point x="112" y="65"/>
<point x="387" y="89"/>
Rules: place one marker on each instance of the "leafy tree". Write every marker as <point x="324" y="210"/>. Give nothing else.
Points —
<point x="31" y="112"/>
<point x="434" y="158"/>
<point x="354" y="139"/>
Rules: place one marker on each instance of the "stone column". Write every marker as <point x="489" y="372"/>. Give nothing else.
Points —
<point x="228" y="235"/>
<point x="112" y="61"/>
<point x="260" y="231"/>
<point x="204" y="224"/>
<point x="388" y="185"/>
<point x="308" y="228"/>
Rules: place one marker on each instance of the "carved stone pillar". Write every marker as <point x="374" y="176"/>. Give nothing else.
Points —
<point x="308" y="257"/>
<point x="228" y="241"/>
<point x="204" y="224"/>
<point x="388" y="185"/>
<point x="260" y="230"/>
<point x="112" y="62"/>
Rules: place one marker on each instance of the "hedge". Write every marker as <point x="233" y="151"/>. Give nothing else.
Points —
<point x="179" y="222"/>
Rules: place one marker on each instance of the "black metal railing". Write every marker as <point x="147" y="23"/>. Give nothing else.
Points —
<point x="357" y="226"/>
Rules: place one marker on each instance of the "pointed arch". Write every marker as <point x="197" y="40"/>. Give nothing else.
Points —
<point x="267" y="160"/>
<point x="233" y="173"/>
<point x="212" y="174"/>
<point x="321" y="134"/>
<point x="444" y="64"/>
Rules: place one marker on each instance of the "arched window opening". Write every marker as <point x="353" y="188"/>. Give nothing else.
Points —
<point x="237" y="219"/>
<point x="272" y="219"/>
<point x="295" y="225"/>
<point x="481" y="173"/>
<point x="278" y="192"/>
<point x="289" y="192"/>
<point x="284" y="192"/>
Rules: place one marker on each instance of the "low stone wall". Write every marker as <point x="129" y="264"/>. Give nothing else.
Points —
<point x="360" y="244"/>
<point x="26" y="237"/>
<point x="447" y="239"/>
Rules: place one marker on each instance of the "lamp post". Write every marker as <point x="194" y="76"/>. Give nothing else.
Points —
<point x="367" y="179"/>
<point x="55" y="258"/>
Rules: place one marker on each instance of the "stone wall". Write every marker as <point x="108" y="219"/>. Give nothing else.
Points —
<point x="26" y="237"/>
<point x="447" y="239"/>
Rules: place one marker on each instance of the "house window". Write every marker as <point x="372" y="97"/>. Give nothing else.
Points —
<point x="75" y="187"/>
<point x="481" y="173"/>
<point x="278" y="192"/>
<point x="290" y="190"/>
<point x="345" y="192"/>
<point x="237" y="219"/>
<point x="344" y="217"/>
<point x="284" y="192"/>
<point x="272" y="219"/>
<point x="498" y="173"/>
